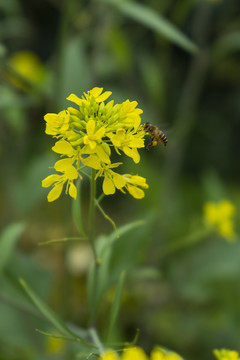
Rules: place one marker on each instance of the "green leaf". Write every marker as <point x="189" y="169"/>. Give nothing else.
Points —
<point x="154" y="21"/>
<point x="77" y="211"/>
<point x="48" y="313"/>
<point x="8" y="240"/>
<point x="66" y="239"/>
<point x="110" y="239"/>
<point x="98" y="276"/>
<point x="116" y="303"/>
<point x="57" y="336"/>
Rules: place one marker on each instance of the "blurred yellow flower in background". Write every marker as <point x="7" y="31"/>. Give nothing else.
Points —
<point x="221" y="216"/>
<point x="137" y="353"/>
<point x="225" y="354"/>
<point x="29" y="66"/>
<point x="160" y="354"/>
<point x="55" y="345"/>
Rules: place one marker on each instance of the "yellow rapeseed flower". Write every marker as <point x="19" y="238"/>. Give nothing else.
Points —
<point x="221" y="216"/>
<point x="134" y="183"/>
<point x="57" y="124"/>
<point x="86" y="135"/>
<point x="69" y="173"/>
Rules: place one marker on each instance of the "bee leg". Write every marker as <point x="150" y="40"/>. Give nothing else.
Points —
<point x="150" y="145"/>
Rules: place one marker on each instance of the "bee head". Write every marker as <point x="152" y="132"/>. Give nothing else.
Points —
<point x="146" y="126"/>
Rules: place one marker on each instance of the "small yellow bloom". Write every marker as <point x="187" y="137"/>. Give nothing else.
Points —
<point x="128" y="143"/>
<point x="92" y="137"/>
<point x="29" y="66"/>
<point x="95" y="93"/>
<point x="133" y="185"/>
<point x="69" y="173"/>
<point x="55" y="345"/>
<point x="57" y="123"/>
<point x="109" y="355"/>
<point x="134" y="353"/>
<point x="131" y="113"/>
<point x="225" y="354"/>
<point x="221" y="216"/>
<point x="160" y="354"/>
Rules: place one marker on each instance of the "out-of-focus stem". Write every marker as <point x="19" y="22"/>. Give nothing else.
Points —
<point x="91" y="229"/>
<point x="186" y="109"/>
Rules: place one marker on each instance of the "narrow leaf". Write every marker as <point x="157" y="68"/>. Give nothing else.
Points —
<point x="57" y="336"/>
<point x="121" y="231"/>
<point x="154" y="21"/>
<point x="46" y="311"/>
<point x="116" y="303"/>
<point x="8" y="240"/>
<point x="66" y="239"/>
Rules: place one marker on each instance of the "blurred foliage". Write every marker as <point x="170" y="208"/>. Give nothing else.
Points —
<point x="180" y="61"/>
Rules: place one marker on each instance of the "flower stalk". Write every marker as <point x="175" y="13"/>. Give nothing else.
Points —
<point x="91" y="229"/>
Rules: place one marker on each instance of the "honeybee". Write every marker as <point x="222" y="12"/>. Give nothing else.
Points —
<point x="156" y="135"/>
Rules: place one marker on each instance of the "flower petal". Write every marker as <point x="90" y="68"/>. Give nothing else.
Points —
<point x="132" y="153"/>
<point x="72" y="191"/>
<point x="55" y="192"/>
<point x="99" y="133"/>
<point x="63" y="164"/>
<point x="90" y="127"/>
<point x="103" y="156"/>
<point x="118" y="180"/>
<point x="71" y="173"/>
<point x="74" y="98"/>
<point x="108" y="186"/>
<point x="96" y="91"/>
<point x="48" y="181"/>
<point x="135" y="191"/>
<point x="104" y="96"/>
<point x="63" y="147"/>
<point x="92" y="161"/>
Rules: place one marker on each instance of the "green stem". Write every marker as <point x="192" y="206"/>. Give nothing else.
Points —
<point x="91" y="229"/>
<point x="95" y="338"/>
<point x="66" y="239"/>
<point x="91" y="232"/>
<point x="107" y="218"/>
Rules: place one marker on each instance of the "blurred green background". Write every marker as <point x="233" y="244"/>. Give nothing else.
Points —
<point x="180" y="61"/>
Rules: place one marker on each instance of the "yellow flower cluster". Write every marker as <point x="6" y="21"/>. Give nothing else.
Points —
<point x="221" y="215"/>
<point x="137" y="353"/>
<point x="86" y="137"/>
<point x="224" y="354"/>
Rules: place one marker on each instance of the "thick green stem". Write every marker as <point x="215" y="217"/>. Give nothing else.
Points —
<point x="91" y="233"/>
<point x="91" y="229"/>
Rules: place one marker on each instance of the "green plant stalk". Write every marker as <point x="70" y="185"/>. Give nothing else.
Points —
<point x="91" y="234"/>
<point x="91" y="229"/>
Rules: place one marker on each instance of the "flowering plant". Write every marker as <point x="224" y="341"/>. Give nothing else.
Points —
<point x="86" y="137"/>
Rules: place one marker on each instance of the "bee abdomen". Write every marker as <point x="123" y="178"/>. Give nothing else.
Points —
<point x="163" y="139"/>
